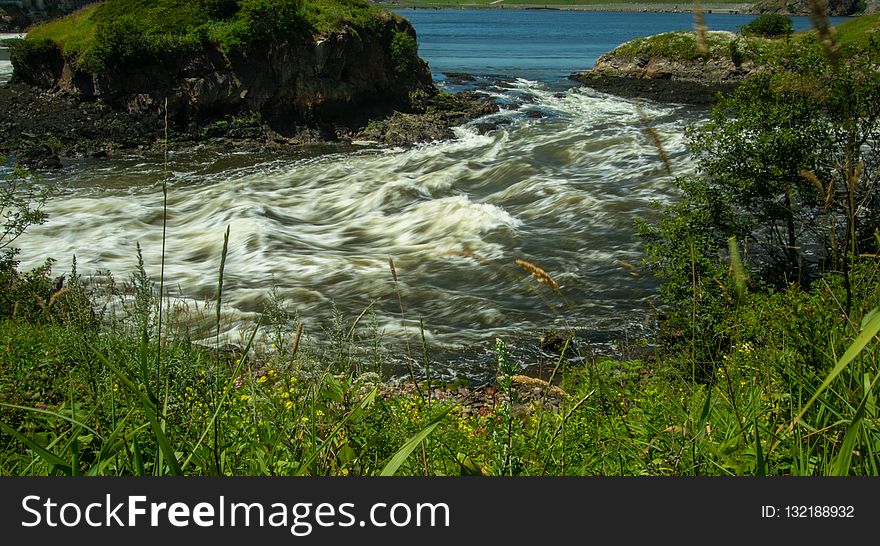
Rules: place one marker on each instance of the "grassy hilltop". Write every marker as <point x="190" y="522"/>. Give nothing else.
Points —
<point x="854" y="35"/>
<point x="124" y="29"/>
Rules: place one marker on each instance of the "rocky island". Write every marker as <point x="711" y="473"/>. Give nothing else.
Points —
<point x="669" y="68"/>
<point x="255" y="72"/>
<point x="672" y="67"/>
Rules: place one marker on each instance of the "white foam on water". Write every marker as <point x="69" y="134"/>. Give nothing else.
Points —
<point x="562" y="190"/>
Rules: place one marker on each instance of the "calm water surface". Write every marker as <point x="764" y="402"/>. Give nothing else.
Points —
<point x="544" y="45"/>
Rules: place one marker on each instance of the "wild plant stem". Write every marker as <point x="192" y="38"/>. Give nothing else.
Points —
<point x="409" y="361"/>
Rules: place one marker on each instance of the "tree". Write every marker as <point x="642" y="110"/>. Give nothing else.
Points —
<point x="789" y="166"/>
<point x="769" y="25"/>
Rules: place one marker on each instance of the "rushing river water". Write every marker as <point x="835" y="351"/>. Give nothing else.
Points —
<point x="559" y="183"/>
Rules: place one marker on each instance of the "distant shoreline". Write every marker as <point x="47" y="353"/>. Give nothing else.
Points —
<point x="671" y="7"/>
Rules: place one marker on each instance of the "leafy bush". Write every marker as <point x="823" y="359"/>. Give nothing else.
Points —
<point x="27" y="51"/>
<point x="787" y="167"/>
<point x="259" y="22"/>
<point x="769" y="25"/>
<point x="404" y="53"/>
<point x="118" y="42"/>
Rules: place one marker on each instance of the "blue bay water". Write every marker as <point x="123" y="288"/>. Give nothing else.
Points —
<point x="543" y="45"/>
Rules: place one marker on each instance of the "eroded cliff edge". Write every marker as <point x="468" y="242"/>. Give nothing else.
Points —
<point x="246" y="70"/>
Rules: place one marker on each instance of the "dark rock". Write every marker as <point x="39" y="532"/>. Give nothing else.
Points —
<point x="555" y="341"/>
<point x="664" y="90"/>
<point x="437" y="114"/>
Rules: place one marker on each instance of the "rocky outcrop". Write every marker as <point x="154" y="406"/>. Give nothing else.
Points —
<point x="633" y="70"/>
<point x="346" y="75"/>
<point x="437" y="115"/>
<point x="339" y="86"/>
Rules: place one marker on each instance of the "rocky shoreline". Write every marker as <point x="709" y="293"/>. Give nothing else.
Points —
<point x="660" y="90"/>
<point x="40" y="128"/>
<point x="344" y="85"/>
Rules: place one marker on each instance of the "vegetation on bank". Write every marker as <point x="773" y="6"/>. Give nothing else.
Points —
<point x="769" y="25"/>
<point x="771" y="304"/>
<point x="119" y="32"/>
<point x="757" y="46"/>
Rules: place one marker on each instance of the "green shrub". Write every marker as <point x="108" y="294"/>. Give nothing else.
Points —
<point x="769" y="25"/>
<point x="404" y="53"/>
<point x="118" y="42"/>
<point x="780" y="169"/>
<point x="26" y="51"/>
<point x="220" y="9"/>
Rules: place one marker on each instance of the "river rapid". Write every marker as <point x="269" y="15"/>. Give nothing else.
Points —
<point x="558" y="178"/>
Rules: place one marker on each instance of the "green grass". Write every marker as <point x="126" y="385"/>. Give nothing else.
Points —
<point x="678" y="45"/>
<point x="859" y="30"/>
<point x="128" y="30"/>
<point x="854" y="34"/>
<point x="793" y="382"/>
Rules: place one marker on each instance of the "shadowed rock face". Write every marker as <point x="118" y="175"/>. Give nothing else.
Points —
<point x="342" y="76"/>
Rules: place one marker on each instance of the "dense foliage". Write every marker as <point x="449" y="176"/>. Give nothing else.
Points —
<point x="121" y="32"/>
<point x="769" y="25"/>
<point x="789" y="167"/>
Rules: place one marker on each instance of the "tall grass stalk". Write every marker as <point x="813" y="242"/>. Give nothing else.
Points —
<point x="409" y="360"/>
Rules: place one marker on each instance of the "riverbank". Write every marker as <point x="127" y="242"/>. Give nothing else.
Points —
<point x="41" y="128"/>
<point x="671" y="67"/>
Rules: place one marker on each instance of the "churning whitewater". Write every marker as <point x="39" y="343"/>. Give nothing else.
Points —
<point x="557" y="178"/>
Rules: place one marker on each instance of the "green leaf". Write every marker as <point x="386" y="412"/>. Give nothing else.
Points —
<point x="844" y="457"/>
<point x="149" y="410"/>
<point x="138" y="458"/>
<point x="760" y="465"/>
<point x="54" y="460"/>
<point x="332" y="389"/>
<point x="869" y="330"/>
<point x="468" y="466"/>
<point x="410" y="445"/>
